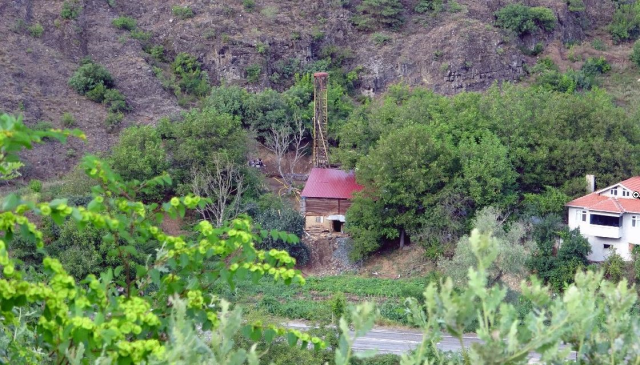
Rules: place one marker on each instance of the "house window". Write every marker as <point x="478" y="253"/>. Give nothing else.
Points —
<point x="605" y="220"/>
<point x="606" y="246"/>
<point x="635" y="221"/>
<point x="625" y="193"/>
<point x="583" y="215"/>
<point x="319" y="219"/>
<point x="614" y="191"/>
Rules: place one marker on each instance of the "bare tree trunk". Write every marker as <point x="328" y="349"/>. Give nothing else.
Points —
<point x="224" y="185"/>
<point x="280" y="141"/>
<point x="402" y="238"/>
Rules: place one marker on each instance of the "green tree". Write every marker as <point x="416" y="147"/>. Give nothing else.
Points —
<point x="403" y="176"/>
<point x="139" y="154"/>
<point x="191" y="142"/>
<point x="514" y="246"/>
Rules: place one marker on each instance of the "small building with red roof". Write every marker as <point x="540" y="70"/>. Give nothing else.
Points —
<point x="609" y="218"/>
<point x="326" y="197"/>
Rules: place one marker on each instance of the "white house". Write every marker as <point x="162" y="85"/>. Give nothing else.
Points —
<point x="609" y="218"/>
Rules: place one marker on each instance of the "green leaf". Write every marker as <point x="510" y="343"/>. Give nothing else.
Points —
<point x="292" y="339"/>
<point x="269" y="335"/>
<point x="117" y="271"/>
<point x="155" y="276"/>
<point x="10" y="202"/>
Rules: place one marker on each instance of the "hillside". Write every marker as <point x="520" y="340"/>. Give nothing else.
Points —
<point x="261" y="46"/>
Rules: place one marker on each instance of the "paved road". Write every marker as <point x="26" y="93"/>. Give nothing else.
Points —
<point x="391" y="341"/>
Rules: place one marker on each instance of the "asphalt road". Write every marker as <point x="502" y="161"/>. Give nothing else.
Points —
<point x="392" y="341"/>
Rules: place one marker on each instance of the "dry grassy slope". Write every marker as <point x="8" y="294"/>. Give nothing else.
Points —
<point x="449" y="53"/>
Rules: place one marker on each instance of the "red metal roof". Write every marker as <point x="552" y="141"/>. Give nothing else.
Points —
<point x="330" y="183"/>
<point x="597" y="202"/>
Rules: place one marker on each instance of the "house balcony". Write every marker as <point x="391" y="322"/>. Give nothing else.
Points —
<point x="604" y="231"/>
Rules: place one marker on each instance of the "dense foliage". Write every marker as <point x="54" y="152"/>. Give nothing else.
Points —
<point x="498" y="147"/>
<point x="121" y="315"/>
<point x="523" y="19"/>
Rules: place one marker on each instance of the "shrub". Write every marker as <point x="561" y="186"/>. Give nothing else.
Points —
<point x="124" y="22"/>
<point x="253" y="72"/>
<point x="157" y="52"/>
<point x="97" y="93"/>
<point x="614" y="267"/>
<point x="141" y="35"/>
<point x="42" y="126"/>
<point x="115" y="101"/>
<point x="113" y="120"/>
<point x="635" y="54"/>
<point x="598" y="44"/>
<point x="596" y="66"/>
<point x="424" y="6"/>
<point x="71" y="9"/>
<point x="379" y="13"/>
<point x="576" y="5"/>
<point x="182" y="12"/>
<point x="192" y="79"/>
<point x="523" y="19"/>
<point x="249" y="5"/>
<point x="35" y="186"/>
<point x="88" y="76"/>
<point x="626" y="22"/>
<point x="380" y="39"/>
<point x="68" y="120"/>
<point x="338" y="306"/>
<point x="36" y="30"/>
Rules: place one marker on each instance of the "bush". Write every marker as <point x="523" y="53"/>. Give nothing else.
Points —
<point x="36" y="30"/>
<point x="595" y="66"/>
<point x="380" y="39"/>
<point x="424" y="6"/>
<point x="626" y="22"/>
<point x="523" y="19"/>
<point x="182" y="12"/>
<point x="68" y="120"/>
<point x="192" y="79"/>
<point x="157" y="52"/>
<point x="42" y="126"/>
<point x="253" y="72"/>
<point x="379" y="13"/>
<point x="285" y="218"/>
<point x="635" y="54"/>
<point x="115" y="101"/>
<point x="71" y="9"/>
<point x="614" y="267"/>
<point x="88" y="76"/>
<point x="249" y="5"/>
<point x="97" y="93"/>
<point x="35" y="186"/>
<point x="124" y="22"/>
<point x="141" y="35"/>
<point x="113" y="120"/>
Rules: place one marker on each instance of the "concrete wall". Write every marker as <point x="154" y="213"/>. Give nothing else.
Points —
<point x="310" y="222"/>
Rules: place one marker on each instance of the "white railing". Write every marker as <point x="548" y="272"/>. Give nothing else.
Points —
<point x="604" y="231"/>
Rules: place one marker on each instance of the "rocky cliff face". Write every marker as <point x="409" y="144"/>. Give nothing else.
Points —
<point x="455" y="50"/>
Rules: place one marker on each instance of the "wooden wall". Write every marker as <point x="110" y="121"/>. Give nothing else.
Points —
<point x="325" y="207"/>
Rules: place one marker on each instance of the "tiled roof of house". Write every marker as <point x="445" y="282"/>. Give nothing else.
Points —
<point x="330" y="183"/>
<point x="601" y="203"/>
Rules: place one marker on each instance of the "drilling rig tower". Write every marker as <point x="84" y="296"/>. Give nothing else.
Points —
<point x="320" y="120"/>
